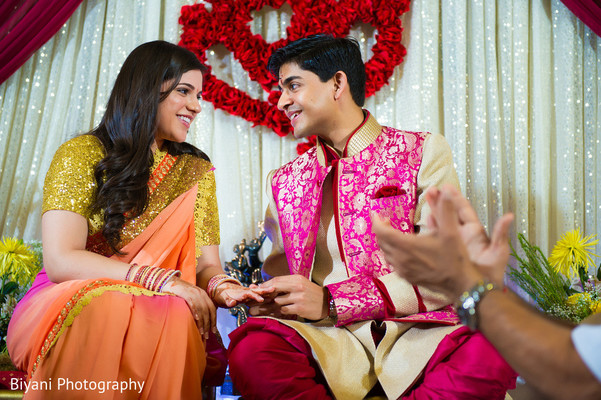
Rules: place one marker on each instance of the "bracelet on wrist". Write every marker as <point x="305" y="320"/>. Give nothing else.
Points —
<point x="152" y="278"/>
<point x="467" y="305"/>
<point x="131" y="267"/>
<point x="332" y="312"/>
<point x="217" y="280"/>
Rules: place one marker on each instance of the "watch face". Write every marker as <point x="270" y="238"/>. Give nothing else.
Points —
<point x="466" y="310"/>
<point x="468" y="303"/>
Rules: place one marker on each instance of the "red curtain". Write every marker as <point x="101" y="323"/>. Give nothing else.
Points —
<point x="25" y="25"/>
<point x="588" y="11"/>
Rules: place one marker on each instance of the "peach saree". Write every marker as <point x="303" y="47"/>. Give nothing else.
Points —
<point x="114" y="339"/>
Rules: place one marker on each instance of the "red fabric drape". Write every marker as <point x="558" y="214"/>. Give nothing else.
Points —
<point x="25" y="25"/>
<point x="588" y="11"/>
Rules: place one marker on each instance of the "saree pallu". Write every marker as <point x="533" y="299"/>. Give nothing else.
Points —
<point x="106" y="331"/>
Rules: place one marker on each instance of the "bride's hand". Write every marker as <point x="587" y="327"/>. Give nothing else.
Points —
<point x="199" y="302"/>
<point x="229" y="294"/>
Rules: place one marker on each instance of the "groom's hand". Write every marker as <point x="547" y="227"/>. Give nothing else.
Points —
<point x="292" y="295"/>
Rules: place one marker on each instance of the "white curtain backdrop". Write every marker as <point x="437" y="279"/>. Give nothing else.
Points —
<point x="514" y="86"/>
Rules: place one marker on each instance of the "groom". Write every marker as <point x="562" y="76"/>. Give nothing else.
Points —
<point x="339" y="323"/>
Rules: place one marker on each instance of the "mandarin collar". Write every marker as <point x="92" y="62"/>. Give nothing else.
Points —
<point x="363" y="136"/>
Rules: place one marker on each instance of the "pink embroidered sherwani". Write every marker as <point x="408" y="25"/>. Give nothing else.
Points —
<point x="319" y="218"/>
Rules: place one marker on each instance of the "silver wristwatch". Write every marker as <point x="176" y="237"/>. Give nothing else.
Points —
<point x="468" y="302"/>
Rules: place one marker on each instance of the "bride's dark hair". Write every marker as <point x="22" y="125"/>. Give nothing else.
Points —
<point x="128" y="128"/>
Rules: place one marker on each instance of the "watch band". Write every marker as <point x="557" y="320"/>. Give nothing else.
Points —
<point x="332" y="313"/>
<point x="468" y="303"/>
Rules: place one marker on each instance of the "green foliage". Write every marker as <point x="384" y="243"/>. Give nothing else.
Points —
<point x="550" y="289"/>
<point x="537" y="277"/>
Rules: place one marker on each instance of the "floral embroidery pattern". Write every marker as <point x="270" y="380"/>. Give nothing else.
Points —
<point x="393" y="159"/>
<point x="357" y="298"/>
<point x="297" y="192"/>
<point x="445" y="316"/>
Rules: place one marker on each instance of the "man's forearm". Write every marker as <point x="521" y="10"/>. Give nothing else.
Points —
<point x="539" y="349"/>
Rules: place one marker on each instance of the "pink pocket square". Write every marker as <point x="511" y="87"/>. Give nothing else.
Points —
<point x="388" y="191"/>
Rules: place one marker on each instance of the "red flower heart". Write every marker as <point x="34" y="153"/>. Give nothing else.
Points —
<point x="228" y="24"/>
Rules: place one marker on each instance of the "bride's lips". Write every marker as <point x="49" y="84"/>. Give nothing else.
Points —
<point x="186" y="120"/>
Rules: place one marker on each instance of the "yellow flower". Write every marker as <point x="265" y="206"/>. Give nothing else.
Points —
<point x="571" y="252"/>
<point x="596" y="307"/>
<point x="17" y="260"/>
<point x="578" y="297"/>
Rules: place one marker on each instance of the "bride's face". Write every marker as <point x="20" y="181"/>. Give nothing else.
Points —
<point x="178" y="110"/>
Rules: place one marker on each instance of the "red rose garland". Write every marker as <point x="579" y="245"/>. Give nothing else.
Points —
<point x="228" y="24"/>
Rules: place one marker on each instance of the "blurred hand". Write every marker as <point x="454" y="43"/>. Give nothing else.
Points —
<point x="437" y="260"/>
<point x="455" y="254"/>
<point x="490" y="255"/>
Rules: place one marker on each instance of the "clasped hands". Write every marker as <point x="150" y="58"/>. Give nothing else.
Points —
<point x="289" y="296"/>
<point x="280" y="297"/>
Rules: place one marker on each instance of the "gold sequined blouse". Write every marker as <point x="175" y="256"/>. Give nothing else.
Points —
<point x="70" y="185"/>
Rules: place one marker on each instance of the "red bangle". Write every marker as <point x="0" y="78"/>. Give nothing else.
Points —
<point x="217" y="280"/>
<point x="129" y="271"/>
<point x="138" y="273"/>
<point x="167" y="278"/>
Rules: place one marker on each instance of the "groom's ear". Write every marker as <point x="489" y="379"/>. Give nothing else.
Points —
<point x="341" y="85"/>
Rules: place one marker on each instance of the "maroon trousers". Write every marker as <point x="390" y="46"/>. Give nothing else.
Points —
<point x="269" y="360"/>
